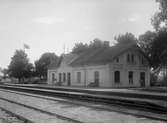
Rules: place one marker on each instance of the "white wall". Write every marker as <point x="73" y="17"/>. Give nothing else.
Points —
<point x="49" y="76"/>
<point x="125" y="67"/>
<point x="87" y="75"/>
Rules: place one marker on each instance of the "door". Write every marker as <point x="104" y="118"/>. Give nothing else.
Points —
<point x="96" y="78"/>
<point x="68" y="79"/>
<point x="142" y="79"/>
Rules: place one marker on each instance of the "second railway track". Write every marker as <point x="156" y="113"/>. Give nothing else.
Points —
<point x="133" y="103"/>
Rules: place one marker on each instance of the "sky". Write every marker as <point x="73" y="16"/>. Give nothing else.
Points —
<point x="55" y="25"/>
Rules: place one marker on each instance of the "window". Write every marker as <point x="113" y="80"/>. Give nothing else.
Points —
<point x="142" y="79"/>
<point x="78" y="77"/>
<point x="117" y="77"/>
<point x="117" y="60"/>
<point x="64" y="77"/>
<point x="130" y="76"/>
<point x="132" y="58"/>
<point x="59" y="77"/>
<point x="53" y="77"/>
<point x="142" y="60"/>
<point x="96" y="77"/>
<point x="128" y="58"/>
<point x="68" y="79"/>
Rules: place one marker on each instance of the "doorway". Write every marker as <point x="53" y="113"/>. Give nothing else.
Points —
<point x="96" y="78"/>
<point x="68" y="79"/>
<point x="142" y="79"/>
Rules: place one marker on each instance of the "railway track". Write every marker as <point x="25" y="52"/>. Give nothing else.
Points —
<point x="10" y="117"/>
<point x="93" y="91"/>
<point x="37" y="110"/>
<point x="136" y="102"/>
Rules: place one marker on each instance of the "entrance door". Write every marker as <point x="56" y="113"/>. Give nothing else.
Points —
<point x="142" y="79"/>
<point x="96" y="78"/>
<point x="68" y="79"/>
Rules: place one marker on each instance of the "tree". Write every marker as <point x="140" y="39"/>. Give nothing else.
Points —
<point x="159" y="19"/>
<point x="79" y="47"/>
<point x="5" y="72"/>
<point x="145" y="42"/>
<point x="125" y="38"/>
<point x="19" y="66"/>
<point x="154" y="44"/>
<point x="41" y="65"/>
<point x="97" y="43"/>
<point x="159" y="50"/>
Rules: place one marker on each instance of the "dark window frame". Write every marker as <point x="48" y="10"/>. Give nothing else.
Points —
<point x="78" y="77"/>
<point x="128" y="57"/>
<point x="130" y="77"/>
<point x="60" y="78"/>
<point x="97" y="76"/>
<point x="53" y="76"/>
<point x="64" y="77"/>
<point x="117" y="60"/>
<point x="132" y="58"/>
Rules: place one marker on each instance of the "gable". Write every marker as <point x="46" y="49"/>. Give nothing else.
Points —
<point x="103" y="55"/>
<point x="138" y="57"/>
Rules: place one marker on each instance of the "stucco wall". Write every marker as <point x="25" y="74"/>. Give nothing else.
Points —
<point x="124" y="67"/>
<point x="49" y="76"/>
<point x="87" y="75"/>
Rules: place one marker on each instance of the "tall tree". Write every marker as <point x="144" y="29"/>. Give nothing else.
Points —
<point x="154" y="44"/>
<point x="146" y="40"/>
<point x="97" y="43"/>
<point x="79" y="47"/>
<point x="41" y="65"/>
<point x="126" y="38"/>
<point x="159" y="19"/>
<point x="20" y="67"/>
<point x="159" y="50"/>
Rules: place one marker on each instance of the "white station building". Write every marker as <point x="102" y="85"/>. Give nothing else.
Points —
<point x="110" y="67"/>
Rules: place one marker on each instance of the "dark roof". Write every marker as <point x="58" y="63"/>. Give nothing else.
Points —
<point x="94" y="56"/>
<point x="67" y="58"/>
<point x="101" y="55"/>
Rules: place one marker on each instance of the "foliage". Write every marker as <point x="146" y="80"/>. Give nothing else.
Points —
<point x="5" y="72"/>
<point x="145" y="41"/>
<point x="19" y="66"/>
<point x="96" y="43"/>
<point x="159" y="50"/>
<point x="125" y="38"/>
<point x="159" y="19"/>
<point x="154" y="45"/>
<point x="42" y="64"/>
<point x="79" y="47"/>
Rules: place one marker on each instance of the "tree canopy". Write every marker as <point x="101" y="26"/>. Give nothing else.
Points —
<point x="154" y="44"/>
<point x="41" y="65"/>
<point x="145" y="41"/>
<point x="20" y="67"/>
<point x="96" y="43"/>
<point x="126" y="38"/>
<point x="159" y="19"/>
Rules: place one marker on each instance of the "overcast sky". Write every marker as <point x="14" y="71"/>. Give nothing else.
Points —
<point x="48" y="25"/>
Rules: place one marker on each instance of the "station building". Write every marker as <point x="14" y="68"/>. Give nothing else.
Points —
<point x="110" y="67"/>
